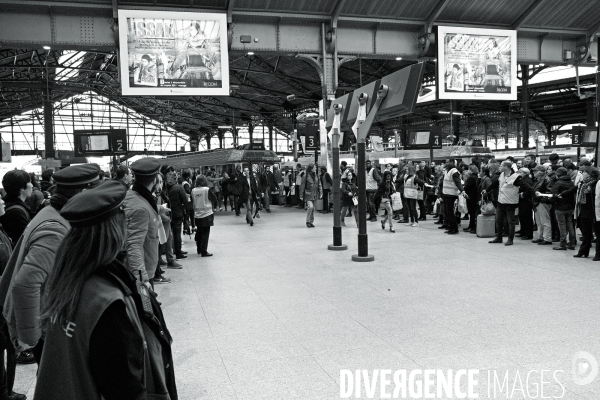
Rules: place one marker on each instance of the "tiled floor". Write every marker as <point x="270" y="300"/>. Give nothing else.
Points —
<point x="275" y="315"/>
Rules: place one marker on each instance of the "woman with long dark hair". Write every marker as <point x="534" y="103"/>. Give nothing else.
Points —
<point x="386" y="189"/>
<point x="411" y="187"/>
<point x="105" y="332"/>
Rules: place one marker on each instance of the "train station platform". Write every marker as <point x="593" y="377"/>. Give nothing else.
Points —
<point x="275" y="315"/>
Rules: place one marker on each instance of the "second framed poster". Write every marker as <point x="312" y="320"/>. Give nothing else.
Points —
<point x="477" y="64"/>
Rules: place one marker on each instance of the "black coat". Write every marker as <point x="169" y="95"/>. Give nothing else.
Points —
<point x="179" y="199"/>
<point x="235" y="184"/>
<point x="567" y="202"/>
<point x="245" y="192"/>
<point x="15" y="219"/>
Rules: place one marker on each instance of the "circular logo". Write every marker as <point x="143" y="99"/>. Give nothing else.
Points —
<point x="585" y="368"/>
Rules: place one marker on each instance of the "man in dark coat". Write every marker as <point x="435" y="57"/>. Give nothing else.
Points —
<point x="235" y="186"/>
<point x="250" y="193"/>
<point x="563" y="209"/>
<point x="269" y="184"/>
<point x="178" y="199"/>
<point x="525" y="207"/>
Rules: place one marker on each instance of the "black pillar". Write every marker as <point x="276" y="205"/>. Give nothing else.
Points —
<point x="335" y="192"/>
<point x="525" y="103"/>
<point x="48" y="124"/>
<point x="597" y="106"/>
<point x="270" y="126"/>
<point x="591" y="112"/>
<point x="361" y="174"/>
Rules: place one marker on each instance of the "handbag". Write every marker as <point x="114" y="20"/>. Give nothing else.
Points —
<point x="355" y="200"/>
<point x="419" y="195"/>
<point x="487" y="208"/>
<point x="462" y="205"/>
<point x="396" y="202"/>
<point x="293" y="191"/>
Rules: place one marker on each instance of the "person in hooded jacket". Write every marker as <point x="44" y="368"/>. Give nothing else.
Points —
<point x="542" y="206"/>
<point x="106" y="337"/>
<point x="564" y="206"/>
<point x="347" y="193"/>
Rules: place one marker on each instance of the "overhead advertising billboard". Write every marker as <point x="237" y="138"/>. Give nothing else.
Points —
<point x="477" y="64"/>
<point x="173" y="53"/>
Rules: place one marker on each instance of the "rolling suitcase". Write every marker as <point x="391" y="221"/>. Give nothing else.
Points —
<point x="486" y="226"/>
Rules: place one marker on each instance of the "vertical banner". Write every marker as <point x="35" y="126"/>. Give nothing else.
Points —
<point x="325" y="144"/>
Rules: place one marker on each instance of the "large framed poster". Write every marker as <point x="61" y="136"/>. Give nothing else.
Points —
<point x="477" y="64"/>
<point x="173" y="53"/>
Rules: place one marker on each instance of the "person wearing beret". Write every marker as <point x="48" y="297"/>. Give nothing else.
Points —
<point x="22" y="282"/>
<point x="106" y="337"/>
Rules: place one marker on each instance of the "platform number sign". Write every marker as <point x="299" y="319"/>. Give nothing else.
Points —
<point x="577" y="136"/>
<point x="100" y="142"/>
<point x="435" y="138"/>
<point x="312" y="138"/>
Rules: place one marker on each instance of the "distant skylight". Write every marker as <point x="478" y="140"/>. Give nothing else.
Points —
<point x="71" y="59"/>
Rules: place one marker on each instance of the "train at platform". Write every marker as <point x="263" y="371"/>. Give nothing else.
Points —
<point x="224" y="160"/>
<point x="464" y="151"/>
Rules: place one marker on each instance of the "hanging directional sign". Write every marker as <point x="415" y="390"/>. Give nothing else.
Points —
<point x="312" y="138"/>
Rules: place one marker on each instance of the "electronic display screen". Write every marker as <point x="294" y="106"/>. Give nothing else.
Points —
<point x="477" y="63"/>
<point x="93" y="143"/>
<point x="590" y="137"/>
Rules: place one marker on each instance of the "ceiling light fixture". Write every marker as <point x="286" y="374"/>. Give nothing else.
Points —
<point x="398" y="58"/>
<point x="250" y="53"/>
<point x="46" y="47"/>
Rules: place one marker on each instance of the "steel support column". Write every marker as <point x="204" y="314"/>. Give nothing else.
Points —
<point x="525" y="103"/>
<point x="48" y="124"/>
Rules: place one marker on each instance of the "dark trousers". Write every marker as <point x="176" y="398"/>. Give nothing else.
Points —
<point x="300" y="202"/>
<point x="202" y="235"/>
<point x="176" y="224"/>
<point x="554" y="222"/>
<point x="7" y="374"/>
<point x="505" y="211"/>
<point x="586" y="225"/>
<point x="326" y="200"/>
<point x="288" y="198"/>
<point x="412" y="209"/>
<point x="371" y="204"/>
<point x="191" y="217"/>
<point x="422" y="209"/>
<point x="405" y="210"/>
<point x="449" y="216"/>
<point x="236" y="204"/>
<point x="526" y="218"/>
<point x="37" y="351"/>
<point x="429" y="200"/>
<point x="472" y="208"/>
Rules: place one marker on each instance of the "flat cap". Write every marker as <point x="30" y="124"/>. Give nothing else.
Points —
<point x="77" y="176"/>
<point x="93" y="206"/>
<point x="553" y="157"/>
<point x="540" y="168"/>
<point x="562" y="172"/>
<point x="146" y="166"/>
<point x="525" y="170"/>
